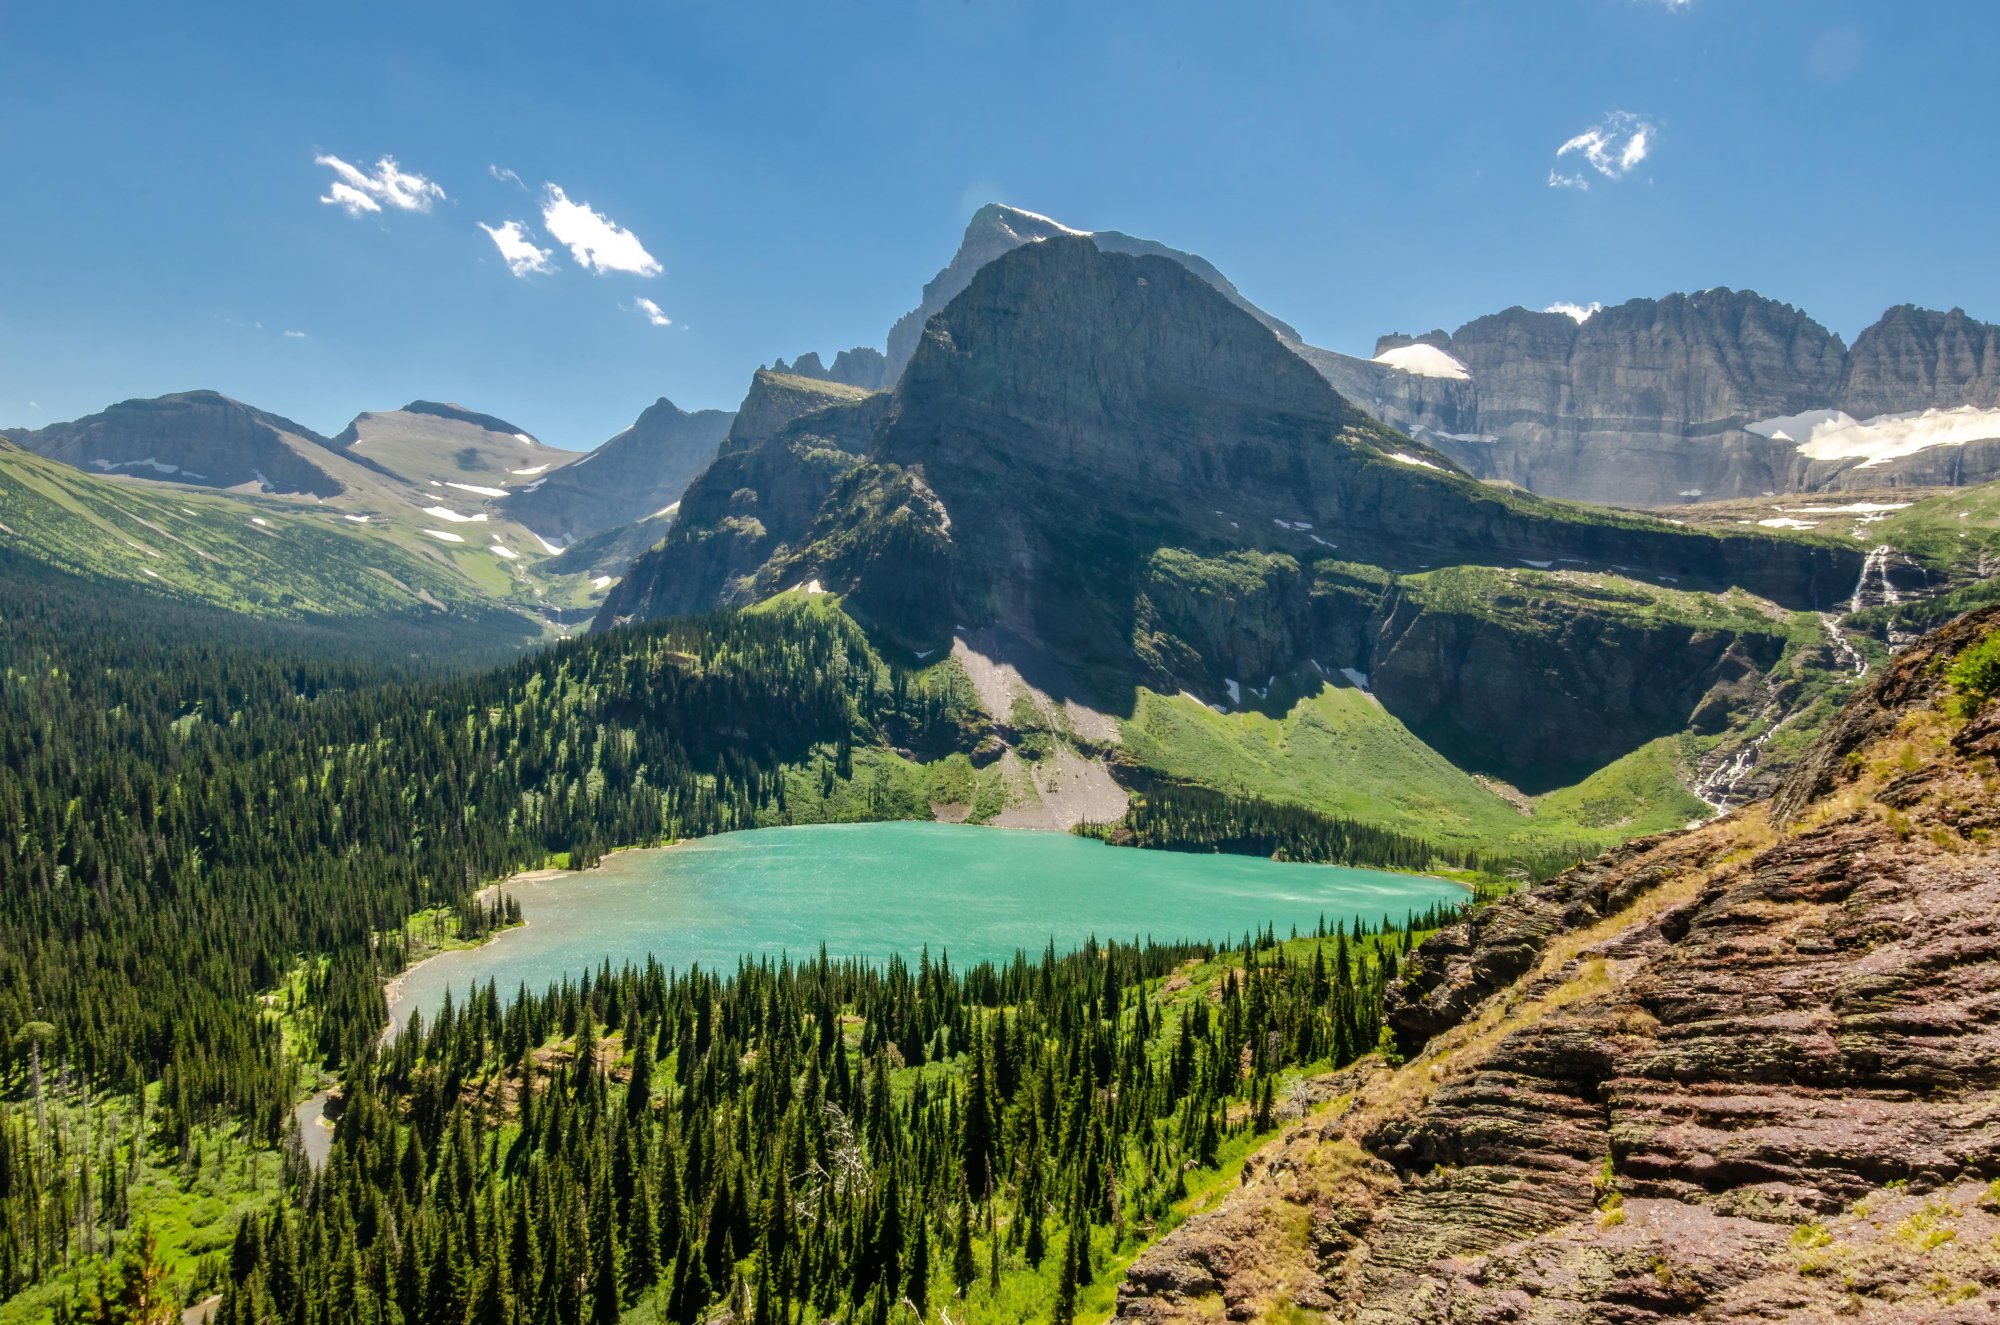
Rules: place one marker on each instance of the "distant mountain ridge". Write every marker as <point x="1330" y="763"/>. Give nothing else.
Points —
<point x="1697" y="397"/>
<point x="1649" y="403"/>
<point x="198" y="437"/>
<point x="636" y="474"/>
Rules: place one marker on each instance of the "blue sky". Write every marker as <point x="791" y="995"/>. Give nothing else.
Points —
<point x="796" y="172"/>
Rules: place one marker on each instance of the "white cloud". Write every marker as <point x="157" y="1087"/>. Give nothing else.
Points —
<point x="593" y="240"/>
<point x="517" y="250"/>
<point x="504" y="175"/>
<point x="653" y="313"/>
<point x="296" y="335"/>
<point x="1581" y="312"/>
<point x="359" y="192"/>
<point x="1611" y="147"/>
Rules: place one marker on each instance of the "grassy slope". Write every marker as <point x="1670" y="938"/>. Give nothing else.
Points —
<point x="265" y="556"/>
<point x="1339" y="751"/>
<point x="1960" y="527"/>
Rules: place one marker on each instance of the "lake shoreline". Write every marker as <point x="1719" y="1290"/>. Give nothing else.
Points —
<point x="397" y="989"/>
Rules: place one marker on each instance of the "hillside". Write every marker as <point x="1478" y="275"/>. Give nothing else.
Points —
<point x="1743" y="1072"/>
<point x="1100" y="478"/>
<point x="200" y="438"/>
<point x="427" y="483"/>
<point x="266" y="557"/>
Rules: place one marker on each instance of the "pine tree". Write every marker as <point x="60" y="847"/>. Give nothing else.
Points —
<point x="1064" y="1310"/>
<point x="963" y="1270"/>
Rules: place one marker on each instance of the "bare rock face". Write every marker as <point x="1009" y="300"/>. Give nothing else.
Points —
<point x="1916" y="358"/>
<point x="1651" y="403"/>
<point x="997" y="229"/>
<point x="634" y="475"/>
<point x="863" y="366"/>
<point x="1747" y="1072"/>
<point x="775" y="399"/>
<point x="198" y="437"/>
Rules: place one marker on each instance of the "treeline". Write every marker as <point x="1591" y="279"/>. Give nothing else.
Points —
<point x="191" y="803"/>
<point x="1174" y="817"/>
<point x="799" y="1142"/>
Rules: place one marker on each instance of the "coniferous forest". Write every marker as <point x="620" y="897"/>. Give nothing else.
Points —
<point x="213" y="832"/>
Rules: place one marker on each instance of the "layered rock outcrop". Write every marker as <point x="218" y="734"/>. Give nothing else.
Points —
<point x="1658" y="401"/>
<point x="1747" y="1072"/>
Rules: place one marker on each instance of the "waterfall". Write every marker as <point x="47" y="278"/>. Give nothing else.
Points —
<point x="1875" y="567"/>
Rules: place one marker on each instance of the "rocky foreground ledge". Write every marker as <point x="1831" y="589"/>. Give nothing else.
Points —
<point x="1746" y="1072"/>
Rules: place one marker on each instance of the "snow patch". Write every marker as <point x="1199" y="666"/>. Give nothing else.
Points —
<point x="446" y="513"/>
<point x="1469" y="436"/>
<point x="148" y="463"/>
<point x="524" y="439"/>
<point x="357" y="519"/>
<point x="444" y="537"/>
<point x="145" y="571"/>
<point x="1851" y="508"/>
<point x="532" y="470"/>
<point x="602" y="582"/>
<point x="1357" y="679"/>
<point x="1538" y="565"/>
<point x="1406" y="458"/>
<point x="504" y="552"/>
<point x="260" y="520"/>
<point x="1423" y="361"/>
<point x="1321" y="541"/>
<point x="1831" y="434"/>
<point x="551" y="548"/>
<point x="1787" y="522"/>
<point x="474" y="487"/>
<point x="1235" y="692"/>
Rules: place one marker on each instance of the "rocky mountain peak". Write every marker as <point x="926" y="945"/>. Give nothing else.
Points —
<point x="996" y="229"/>
<point x="1915" y="358"/>
<point x="1070" y="336"/>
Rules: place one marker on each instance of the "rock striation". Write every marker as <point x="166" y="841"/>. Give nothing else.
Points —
<point x="1657" y="401"/>
<point x="1746" y="1072"/>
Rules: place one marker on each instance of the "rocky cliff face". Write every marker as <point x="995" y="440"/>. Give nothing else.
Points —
<point x="636" y="474"/>
<point x="1650" y="403"/>
<point x="1104" y="457"/>
<point x="1916" y="359"/>
<point x="198" y="437"/>
<point x="775" y="399"/>
<point x="863" y="366"/>
<point x="997" y="229"/>
<point x="1659" y="401"/>
<point x="1746" y="1072"/>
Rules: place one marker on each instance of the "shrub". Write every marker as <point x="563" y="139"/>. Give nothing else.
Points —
<point x="1975" y="675"/>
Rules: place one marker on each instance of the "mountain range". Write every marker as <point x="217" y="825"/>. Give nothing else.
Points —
<point x="1129" y="504"/>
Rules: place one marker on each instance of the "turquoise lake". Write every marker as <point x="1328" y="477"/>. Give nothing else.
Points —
<point x="873" y="890"/>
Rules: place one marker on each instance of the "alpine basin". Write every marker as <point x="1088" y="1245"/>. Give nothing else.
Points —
<point x="873" y="890"/>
